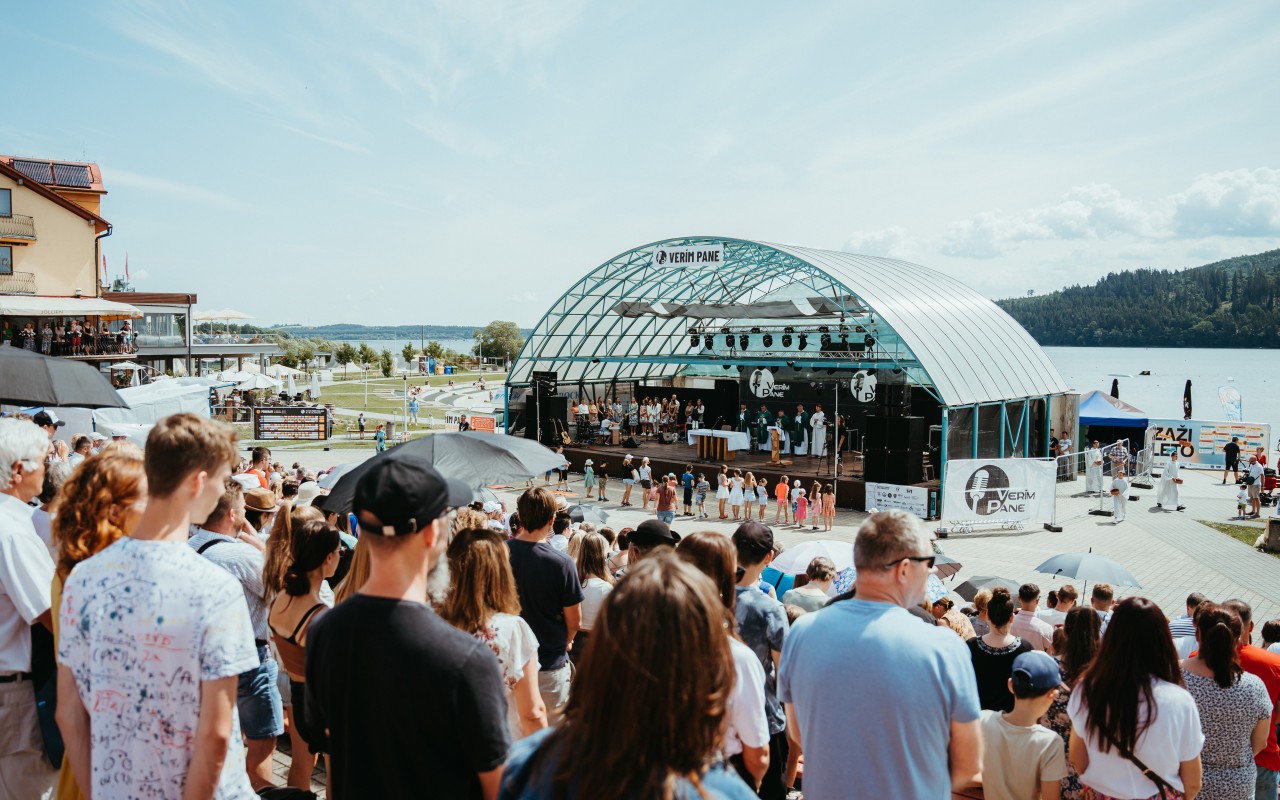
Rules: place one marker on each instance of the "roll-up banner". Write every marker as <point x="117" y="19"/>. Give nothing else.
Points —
<point x="996" y="490"/>
<point x="911" y="499"/>
<point x="1199" y="443"/>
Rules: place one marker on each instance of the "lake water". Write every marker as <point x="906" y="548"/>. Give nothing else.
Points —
<point x="396" y="345"/>
<point x="1160" y="393"/>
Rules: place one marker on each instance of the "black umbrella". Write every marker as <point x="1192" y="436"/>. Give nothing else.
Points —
<point x="1186" y="401"/>
<point x="945" y="566"/>
<point x="970" y="588"/>
<point x="1115" y="388"/>
<point x="30" y="379"/>
<point x="472" y="457"/>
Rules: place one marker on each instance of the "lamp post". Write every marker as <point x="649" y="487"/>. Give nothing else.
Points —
<point x="406" y="399"/>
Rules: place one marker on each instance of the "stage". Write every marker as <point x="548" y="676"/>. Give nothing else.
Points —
<point x="665" y="458"/>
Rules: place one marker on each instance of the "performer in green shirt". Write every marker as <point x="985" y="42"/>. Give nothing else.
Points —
<point x="784" y="424"/>
<point x="800" y="428"/>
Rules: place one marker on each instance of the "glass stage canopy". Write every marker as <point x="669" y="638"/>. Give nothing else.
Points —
<point x="702" y="306"/>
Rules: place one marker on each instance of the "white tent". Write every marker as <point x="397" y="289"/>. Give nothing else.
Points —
<point x="147" y="405"/>
<point x="281" y="371"/>
<point x="260" y="381"/>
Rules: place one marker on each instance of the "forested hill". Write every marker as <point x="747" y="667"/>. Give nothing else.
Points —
<point x="1231" y="303"/>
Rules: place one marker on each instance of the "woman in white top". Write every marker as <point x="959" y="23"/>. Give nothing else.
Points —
<point x="1130" y="704"/>
<point x="746" y="740"/>
<point x="735" y="492"/>
<point x="484" y="603"/>
<point x="722" y="490"/>
<point x="593" y="571"/>
<point x="646" y="482"/>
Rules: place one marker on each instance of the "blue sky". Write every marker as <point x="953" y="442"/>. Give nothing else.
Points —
<point x="466" y="160"/>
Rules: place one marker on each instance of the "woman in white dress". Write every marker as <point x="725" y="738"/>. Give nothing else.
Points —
<point x="722" y="490"/>
<point x="735" y="492"/>
<point x="484" y="603"/>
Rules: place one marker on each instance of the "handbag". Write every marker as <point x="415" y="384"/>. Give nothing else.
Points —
<point x="1166" y="789"/>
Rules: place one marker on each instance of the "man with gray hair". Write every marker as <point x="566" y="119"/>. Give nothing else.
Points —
<point x="915" y="683"/>
<point x="26" y="573"/>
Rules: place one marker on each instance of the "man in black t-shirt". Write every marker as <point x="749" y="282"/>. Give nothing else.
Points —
<point x="1231" y="452"/>
<point x="414" y="707"/>
<point x="550" y="596"/>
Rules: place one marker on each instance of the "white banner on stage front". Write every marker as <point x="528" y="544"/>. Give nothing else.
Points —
<point x="999" y="490"/>
<point x="911" y="499"/>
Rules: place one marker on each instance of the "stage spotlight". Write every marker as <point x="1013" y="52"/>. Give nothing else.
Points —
<point x="743" y="341"/>
<point x="709" y="341"/>
<point x="727" y="366"/>
<point x="728" y="341"/>
<point x="786" y="340"/>
<point x="826" y="340"/>
<point x="694" y="339"/>
<point x="804" y="341"/>
<point x="768" y="340"/>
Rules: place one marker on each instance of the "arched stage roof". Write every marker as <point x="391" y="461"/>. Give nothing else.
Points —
<point x="945" y="336"/>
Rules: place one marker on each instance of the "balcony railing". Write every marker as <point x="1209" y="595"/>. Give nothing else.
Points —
<point x="18" y="283"/>
<point x="17" y="226"/>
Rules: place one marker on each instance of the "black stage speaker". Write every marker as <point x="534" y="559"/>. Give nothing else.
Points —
<point x="895" y="433"/>
<point x="900" y="467"/>
<point x="552" y="412"/>
<point x="895" y="395"/>
<point x="630" y="443"/>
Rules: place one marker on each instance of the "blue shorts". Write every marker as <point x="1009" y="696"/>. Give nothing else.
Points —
<point x="258" y="700"/>
<point x="667" y="516"/>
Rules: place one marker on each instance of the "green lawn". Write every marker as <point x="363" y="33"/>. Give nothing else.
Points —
<point x="351" y="393"/>
<point x="1244" y="533"/>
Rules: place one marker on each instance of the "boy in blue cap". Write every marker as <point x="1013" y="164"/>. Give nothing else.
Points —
<point x="1021" y="758"/>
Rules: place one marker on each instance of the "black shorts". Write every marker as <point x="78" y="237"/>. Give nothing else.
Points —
<point x="688" y="496"/>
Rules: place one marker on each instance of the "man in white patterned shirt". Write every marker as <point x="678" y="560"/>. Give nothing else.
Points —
<point x="1026" y="625"/>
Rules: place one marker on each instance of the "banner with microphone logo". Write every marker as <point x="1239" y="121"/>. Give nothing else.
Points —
<point x="999" y="490"/>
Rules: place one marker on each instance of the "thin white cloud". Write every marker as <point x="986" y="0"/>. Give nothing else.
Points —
<point x="892" y="242"/>
<point x="113" y="175"/>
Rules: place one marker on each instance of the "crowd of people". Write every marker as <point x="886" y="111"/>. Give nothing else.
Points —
<point x="196" y="611"/>
<point x="58" y="337"/>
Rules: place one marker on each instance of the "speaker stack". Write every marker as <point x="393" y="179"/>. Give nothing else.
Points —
<point x="893" y="450"/>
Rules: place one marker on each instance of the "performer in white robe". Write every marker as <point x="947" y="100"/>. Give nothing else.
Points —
<point x="1119" y="496"/>
<point x="1167" y="492"/>
<point x="1093" y="462"/>
<point x="818" y="423"/>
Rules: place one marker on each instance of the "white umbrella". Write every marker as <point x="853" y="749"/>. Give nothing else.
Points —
<point x="280" y="371"/>
<point x="234" y="376"/>
<point x="293" y="388"/>
<point x="219" y="314"/>
<point x="795" y="560"/>
<point x="315" y="386"/>
<point x="260" y="381"/>
<point x="126" y="365"/>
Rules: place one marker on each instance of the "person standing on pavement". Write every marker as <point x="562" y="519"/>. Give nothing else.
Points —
<point x="1231" y="460"/>
<point x="26" y="575"/>
<point x="687" y="481"/>
<point x="1254" y="479"/>
<point x="550" y="596"/>
<point x="1266" y="665"/>
<point x="1026" y="625"/>
<point x="379" y="439"/>
<point x="360" y="424"/>
<point x="1093" y="469"/>
<point x="1167" y="494"/>
<point x="1119" y="496"/>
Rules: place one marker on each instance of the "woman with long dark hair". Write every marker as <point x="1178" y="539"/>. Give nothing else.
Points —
<point x="993" y="653"/>
<point x="1235" y="710"/>
<point x="483" y="602"/>
<point x="1081" y="634"/>
<point x="312" y="557"/>
<point x="661" y="637"/>
<point x="1135" y="731"/>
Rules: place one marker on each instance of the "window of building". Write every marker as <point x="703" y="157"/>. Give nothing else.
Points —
<point x="6" y="260"/>
<point x="6" y="203"/>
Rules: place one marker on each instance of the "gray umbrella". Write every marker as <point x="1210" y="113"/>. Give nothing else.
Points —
<point x="471" y="457"/>
<point x="1089" y="567"/>
<point x="970" y="588"/>
<point x="30" y="379"/>
<point x="585" y="512"/>
<point x="945" y="565"/>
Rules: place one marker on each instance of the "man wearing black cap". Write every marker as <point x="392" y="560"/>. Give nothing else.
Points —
<point x="413" y="706"/>
<point x="762" y="624"/>
<point x="648" y="537"/>
<point x="550" y="596"/>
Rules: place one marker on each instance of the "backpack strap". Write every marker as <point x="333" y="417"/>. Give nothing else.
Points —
<point x="209" y="544"/>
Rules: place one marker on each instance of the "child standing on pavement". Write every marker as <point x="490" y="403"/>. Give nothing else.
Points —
<point x="802" y="509"/>
<point x="828" y="507"/>
<point x="700" y="495"/>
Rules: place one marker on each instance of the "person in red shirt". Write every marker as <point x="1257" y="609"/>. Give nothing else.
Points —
<point x="260" y="466"/>
<point x="1266" y="665"/>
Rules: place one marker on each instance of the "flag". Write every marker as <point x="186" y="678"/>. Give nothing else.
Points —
<point x="126" y="266"/>
<point x="104" y="269"/>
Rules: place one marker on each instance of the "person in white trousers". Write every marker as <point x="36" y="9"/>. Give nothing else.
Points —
<point x="1167" y="494"/>
<point x="1093" y="461"/>
<point x="1119" y="496"/>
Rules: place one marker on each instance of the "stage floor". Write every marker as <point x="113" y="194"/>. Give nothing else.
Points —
<point x="664" y="458"/>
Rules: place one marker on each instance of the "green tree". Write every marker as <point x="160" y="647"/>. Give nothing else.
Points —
<point x="386" y="363"/>
<point x="498" y="339"/>
<point x="409" y="353"/>
<point x="305" y="352"/>
<point x="367" y="355"/>
<point x="345" y="354"/>
<point x="434" y="350"/>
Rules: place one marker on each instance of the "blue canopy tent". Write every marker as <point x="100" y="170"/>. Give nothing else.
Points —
<point x="1100" y="409"/>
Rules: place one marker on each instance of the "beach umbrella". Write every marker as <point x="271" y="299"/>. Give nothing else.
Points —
<point x="315" y="386"/>
<point x="945" y="566"/>
<point x="30" y="379"/>
<point x="293" y="387"/>
<point x="1115" y="388"/>
<point x="259" y="381"/>
<point x="1186" y="400"/>
<point x="795" y="560"/>
<point x="970" y="588"/>
<point x="123" y="365"/>
<point x="1088" y="567"/>
<point x="934" y="590"/>
<point x="585" y="512"/>
<point x="474" y="458"/>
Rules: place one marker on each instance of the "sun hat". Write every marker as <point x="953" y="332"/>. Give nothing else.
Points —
<point x="588" y="462"/>
<point x="260" y="499"/>
<point x="308" y="491"/>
